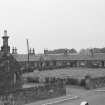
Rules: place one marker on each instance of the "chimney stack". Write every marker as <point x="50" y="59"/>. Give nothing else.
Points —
<point x="33" y="51"/>
<point x="91" y="52"/>
<point x="14" y="50"/>
<point x="30" y="51"/>
<point x="65" y="52"/>
<point x="45" y="51"/>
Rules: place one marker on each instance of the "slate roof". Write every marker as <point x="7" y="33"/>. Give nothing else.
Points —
<point x="24" y="57"/>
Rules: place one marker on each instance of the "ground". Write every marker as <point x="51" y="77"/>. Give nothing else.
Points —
<point x="92" y="96"/>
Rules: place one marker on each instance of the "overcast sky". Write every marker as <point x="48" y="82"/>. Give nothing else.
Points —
<point x="53" y="24"/>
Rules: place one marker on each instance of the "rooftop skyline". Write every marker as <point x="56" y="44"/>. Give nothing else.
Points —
<point x="53" y="24"/>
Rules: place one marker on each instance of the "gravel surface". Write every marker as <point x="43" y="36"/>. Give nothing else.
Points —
<point x="93" y="97"/>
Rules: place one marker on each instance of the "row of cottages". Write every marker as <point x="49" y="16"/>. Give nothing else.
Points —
<point x="56" y="60"/>
<point x="96" y="60"/>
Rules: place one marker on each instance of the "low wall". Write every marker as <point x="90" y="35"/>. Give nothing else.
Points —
<point x="96" y="82"/>
<point x="87" y="82"/>
<point x="42" y="92"/>
<point x="29" y="95"/>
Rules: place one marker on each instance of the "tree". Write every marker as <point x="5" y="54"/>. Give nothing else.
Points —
<point x="73" y="50"/>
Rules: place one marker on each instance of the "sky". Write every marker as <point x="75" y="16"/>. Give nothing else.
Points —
<point x="53" y="24"/>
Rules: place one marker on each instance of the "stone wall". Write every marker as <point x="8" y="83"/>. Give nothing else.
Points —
<point x="42" y="92"/>
<point x="29" y="95"/>
<point x="87" y="82"/>
<point x="96" y="82"/>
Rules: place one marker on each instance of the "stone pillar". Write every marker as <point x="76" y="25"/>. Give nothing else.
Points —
<point x="5" y="48"/>
<point x="88" y="82"/>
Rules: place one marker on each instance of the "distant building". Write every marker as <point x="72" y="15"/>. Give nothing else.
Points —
<point x="57" y="51"/>
<point x="58" y="58"/>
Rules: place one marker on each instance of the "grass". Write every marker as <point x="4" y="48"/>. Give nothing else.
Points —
<point x="73" y="72"/>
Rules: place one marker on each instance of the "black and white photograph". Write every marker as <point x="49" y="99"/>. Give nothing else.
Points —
<point x="52" y="52"/>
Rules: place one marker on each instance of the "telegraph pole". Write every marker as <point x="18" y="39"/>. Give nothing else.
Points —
<point x="28" y="52"/>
